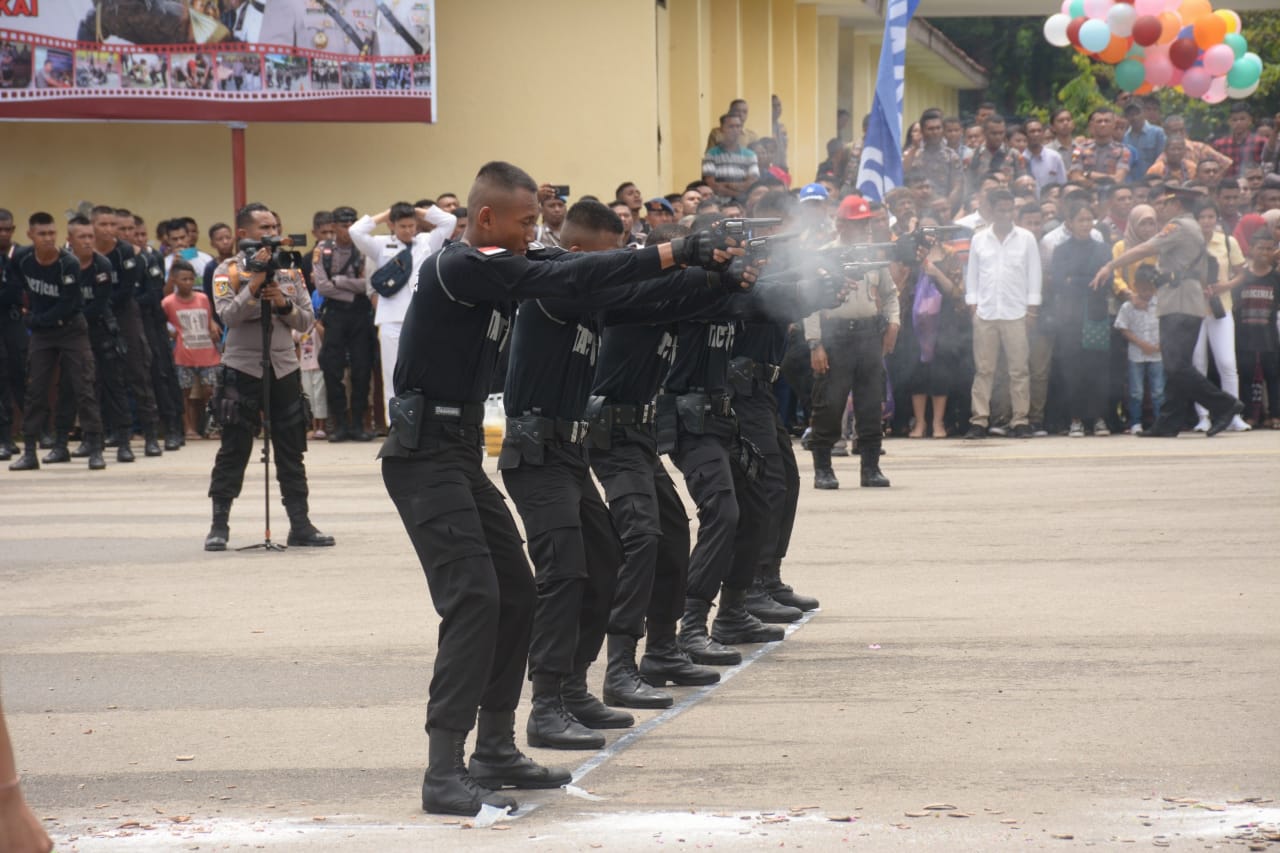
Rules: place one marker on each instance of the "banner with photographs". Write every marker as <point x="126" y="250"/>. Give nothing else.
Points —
<point x="218" y="60"/>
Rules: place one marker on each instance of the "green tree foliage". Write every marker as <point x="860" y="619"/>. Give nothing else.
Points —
<point x="1029" y="76"/>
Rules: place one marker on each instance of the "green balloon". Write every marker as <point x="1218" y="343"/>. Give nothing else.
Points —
<point x="1077" y="9"/>
<point x="1130" y="74"/>
<point x="1245" y="72"/>
<point x="1136" y="52"/>
<point x="1236" y="42"/>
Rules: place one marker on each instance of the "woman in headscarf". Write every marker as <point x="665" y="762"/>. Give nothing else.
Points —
<point x="1142" y="226"/>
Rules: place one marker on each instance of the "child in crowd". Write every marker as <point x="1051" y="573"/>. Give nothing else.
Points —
<point x="196" y="337"/>
<point x="309" y="343"/>
<point x="1257" y="338"/>
<point x="1138" y="323"/>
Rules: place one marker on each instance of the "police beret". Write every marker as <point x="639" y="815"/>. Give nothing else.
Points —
<point x="1186" y="195"/>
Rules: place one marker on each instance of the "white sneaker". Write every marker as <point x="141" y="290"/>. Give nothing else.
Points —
<point x="1000" y="431"/>
<point x="1238" y="425"/>
<point x="1136" y="429"/>
<point x="1100" y="427"/>
<point x="1202" y="425"/>
<point x="1077" y="430"/>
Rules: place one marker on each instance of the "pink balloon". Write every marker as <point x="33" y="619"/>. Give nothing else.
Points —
<point x="1218" y="60"/>
<point x="1176" y="79"/>
<point x="1148" y="7"/>
<point x="1159" y="70"/>
<point x="1097" y="8"/>
<point x="1156" y="51"/>
<point x="1196" y="82"/>
<point x="1217" y="91"/>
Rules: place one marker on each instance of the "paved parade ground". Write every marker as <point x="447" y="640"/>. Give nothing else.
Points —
<point x="1044" y="644"/>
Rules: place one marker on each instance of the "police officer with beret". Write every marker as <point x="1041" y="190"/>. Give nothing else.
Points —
<point x="59" y="337"/>
<point x="242" y="291"/>
<point x="338" y="269"/>
<point x="847" y="350"/>
<point x="1183" y="262"/>
<point x="456" y="325"/>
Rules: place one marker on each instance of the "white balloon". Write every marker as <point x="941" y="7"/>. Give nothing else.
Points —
<point x="1243" y="93"/>
<point x="1055" y="30"/>
<point x="1120" y="19"/>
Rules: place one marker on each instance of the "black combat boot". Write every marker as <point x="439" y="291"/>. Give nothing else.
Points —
<point x="301" y="531"/>
<point x="339" y="432"/>
<point x="27" y="461"/>
<point x="589" y="710"/>
<point x="96" y="462"/>
<point x="6" y="447"/>
<point x="124" y="453"/>
<point x="696" y="643"/>
<point x="763" y="606"/>
<point x="623" y="685"/>
<point x="733" y="625"/>
<point x="47" y="440"/>
<point x="220" y="530"/>
<point x="82" y="449"/>
<point x="771" y="578"/>
<point x="497" y="763"/>
<point x="59" y="453"/>
<point x="447" y="787"/>
<point x="823" y="476"/>
<point x="174" y="434"/>
<point x="871" y="475"/>
<point x="150" y="444"/>
<point x="357" y="431"/>
<point x="550" y="725"/>
<point x="664" y="662"/>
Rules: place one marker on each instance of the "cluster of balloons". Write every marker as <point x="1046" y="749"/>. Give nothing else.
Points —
<point x="1155" y="44"/>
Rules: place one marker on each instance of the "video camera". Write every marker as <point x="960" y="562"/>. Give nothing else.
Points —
<point x="280" y="256"/>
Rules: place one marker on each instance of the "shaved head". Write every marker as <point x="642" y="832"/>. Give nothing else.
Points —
<point x="591" y="227"/>
<point x="502" y="208"/>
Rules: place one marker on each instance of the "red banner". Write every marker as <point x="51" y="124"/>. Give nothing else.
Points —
<point x="326" y="60"/>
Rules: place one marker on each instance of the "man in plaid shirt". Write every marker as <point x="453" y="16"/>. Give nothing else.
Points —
<point x="1243" y="146"/>
<point x="995" y="156"/>
<point x="1102" y="156"/>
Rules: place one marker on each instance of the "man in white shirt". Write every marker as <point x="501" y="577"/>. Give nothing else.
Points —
<point x="389" y="312"/>
<point x="1044" y="164"/>
<point x="1002" y="290"/>
<point x="180" y="242"/>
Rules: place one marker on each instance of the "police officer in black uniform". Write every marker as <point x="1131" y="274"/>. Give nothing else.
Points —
<point x="97" y="281"/>
<point x="465" y="538"/>
<point x="13" y="340"/>
<point x="164" y="375"/>
<point x="758" y="350"/>
<point x="131" y="287"/>
<point x="59" y="336"/>
<point x="337" y="267"/>
<point x="244" y="286"/>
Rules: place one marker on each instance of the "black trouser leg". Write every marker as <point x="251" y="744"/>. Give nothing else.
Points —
<point x="164" y="377"/>
<point x="753" y="526"/>
<point x="709" y="477"/>
<point x="138" y="363"/>
<point x="626" y="472"/>
<point x="479" y="580"/>
<point x="1183" y="383"/>
<point x="333" y="362"/>
<point x="831" y="392"/>
<point x="868" y="385"/>
<point x="288" y="436"/>
<point x="671" y="575"/>
<point x="13" y="367"/>
<point x="68" y="346"/>
<point x="791" y="479"/>
<point x="604" y="562"/>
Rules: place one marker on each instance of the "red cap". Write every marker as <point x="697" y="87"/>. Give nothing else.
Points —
<point x="854" y="207"/>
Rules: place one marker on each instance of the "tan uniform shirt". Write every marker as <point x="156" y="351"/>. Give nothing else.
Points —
<point x="242" y="315"/>
<point x="1182" y="252"/>
<point x="874" y="294"/>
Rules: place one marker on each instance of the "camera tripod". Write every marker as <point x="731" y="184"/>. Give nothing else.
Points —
<point x="266" y="544"/>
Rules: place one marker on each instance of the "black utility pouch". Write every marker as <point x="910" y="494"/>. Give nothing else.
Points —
<point x="692" y="409"/>
<point x="666" y="423"/>
<point x="524" y="442"/>
<point x="741" y="376"/>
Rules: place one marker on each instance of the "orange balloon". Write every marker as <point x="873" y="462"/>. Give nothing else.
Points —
<point x="1230" y="18"/>
<point x="1194" y="10"/>
<point x="1117" y="50"/>
<point x="1170" y="22"/>
<point x="1144" y="89"/>
<point x="1210" y="30"/>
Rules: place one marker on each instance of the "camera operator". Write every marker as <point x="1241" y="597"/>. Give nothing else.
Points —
<point x="244" y="286"/>
<point x="847" y="349"/>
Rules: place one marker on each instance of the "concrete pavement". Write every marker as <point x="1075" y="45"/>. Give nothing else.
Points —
<point x="1057" y="637"/>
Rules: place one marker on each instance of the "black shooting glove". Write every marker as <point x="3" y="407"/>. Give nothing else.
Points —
<point x="698" y="250"/>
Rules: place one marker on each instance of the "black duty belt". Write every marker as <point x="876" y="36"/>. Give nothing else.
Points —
<point x="627" y="415"/>
<point x="555" y="429"/>
<point x="719" y="405"/>
<point x="361" y="304"/>
<point x="466" y="414"/>
<point x="861" y="324"/>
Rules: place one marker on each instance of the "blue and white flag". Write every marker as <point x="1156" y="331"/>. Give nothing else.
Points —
<point x="880" y="168"/>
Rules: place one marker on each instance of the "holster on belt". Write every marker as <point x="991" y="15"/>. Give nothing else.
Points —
<point x="408" y="411"/>
<point x="750" y="459"/>
<point x="599" y="418"/>
<point x="524" y="442"/>
<point x="741" y="375"/>
<point x="666" y="421"/>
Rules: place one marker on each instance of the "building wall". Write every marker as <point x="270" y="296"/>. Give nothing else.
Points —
<point x="564" y="88"/>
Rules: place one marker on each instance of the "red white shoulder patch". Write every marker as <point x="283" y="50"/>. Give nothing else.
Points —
<point x="490" y="251"/>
